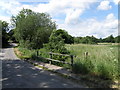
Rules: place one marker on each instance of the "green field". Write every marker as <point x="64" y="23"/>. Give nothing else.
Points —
<point x="102" y="59"/>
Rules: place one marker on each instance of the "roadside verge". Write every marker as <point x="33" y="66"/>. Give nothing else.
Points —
<point x="85" y="80"/>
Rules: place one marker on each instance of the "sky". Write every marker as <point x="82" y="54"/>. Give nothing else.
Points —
<point x="78" y="17"/>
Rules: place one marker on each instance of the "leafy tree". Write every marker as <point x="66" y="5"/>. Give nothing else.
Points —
<point x="32" y="29"/>
<point x="67" y="38"/>
<point x="56" y="43"/>
<point x="109" y="39"/>
<point x="100" y="40"/>
<point x="117" y="39"/>
<point x="94" y="40"/>
<point x="5" y="36"/>
<point x="86" y="40"/>
<point x="11" y="35"/>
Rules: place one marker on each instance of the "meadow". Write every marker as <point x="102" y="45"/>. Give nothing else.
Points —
<point x="101" y="61"/>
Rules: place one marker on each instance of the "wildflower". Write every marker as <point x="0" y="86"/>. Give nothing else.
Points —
<point x="111" y="48"/>
<point x="115" y="60"/>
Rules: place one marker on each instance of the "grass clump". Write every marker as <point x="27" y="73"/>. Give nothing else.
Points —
<point x="83" y="67"/>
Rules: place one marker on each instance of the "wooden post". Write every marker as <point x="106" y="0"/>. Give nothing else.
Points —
<point x="50" y="57"/>
<point x="71" y="60"/>
<point x="37" y="53"/>
<point x="86" y="55"/>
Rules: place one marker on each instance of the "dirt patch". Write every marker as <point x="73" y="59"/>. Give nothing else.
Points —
<point x="17" y="52"/>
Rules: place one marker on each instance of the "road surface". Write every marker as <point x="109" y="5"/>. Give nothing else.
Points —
<point x="17" y="73"/>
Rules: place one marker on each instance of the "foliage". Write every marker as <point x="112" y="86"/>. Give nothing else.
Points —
<point x="86" y="40"/>
<point x="84" y="67"/>
<point x="94" y="40"/>
<point x="34" y="56"/>
<point x="117" y="39"/>
<point x="103" y="71"/>
<point x="56" y="43"/>
<point x="5" y="36"/>
<point x="68" y="39"/>
<point x="32" y="29"/>
<point x="103" y="58"/>
<point x="11" y="35"/>
<point x="109" y="39"/>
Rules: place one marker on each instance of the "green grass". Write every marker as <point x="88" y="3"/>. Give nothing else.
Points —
<point x="42" y="53"/>
<point x="99" y="69"/>
<point x="102" y="58"/>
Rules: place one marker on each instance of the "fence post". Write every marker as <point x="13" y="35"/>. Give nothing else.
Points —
<point x="50" y="57"/>
<point x="71" y="60"/>
<point x="86" y="55"/>
<point x="37" y="53"/>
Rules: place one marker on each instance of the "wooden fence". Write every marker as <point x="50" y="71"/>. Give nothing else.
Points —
<point x="50" y="59"/>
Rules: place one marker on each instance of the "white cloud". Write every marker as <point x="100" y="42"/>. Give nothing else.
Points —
<point x="11" y="7"/>
<point x="110" y="16"/>
<point x="5" y="18"/>
<point x="72" y="9"/>
<point x="116" y="1"/>
<point x="72" y="17"/>
<point x="104" y="5"/>
<point x="94" y="27"/>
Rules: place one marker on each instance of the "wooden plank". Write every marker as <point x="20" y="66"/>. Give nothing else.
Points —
<point x="57" y="61"/>
<point x="57" y="54"/>
<point x="60" y="54"/>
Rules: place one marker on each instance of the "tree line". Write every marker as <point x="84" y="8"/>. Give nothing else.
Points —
<point x="34" y="30"/>
<point x="94" y="40"/>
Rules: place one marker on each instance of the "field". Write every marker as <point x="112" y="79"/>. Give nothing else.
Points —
<point x="102" y="59"/>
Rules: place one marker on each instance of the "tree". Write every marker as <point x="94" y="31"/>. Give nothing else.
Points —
<point x="117" y="39"/>
<point x="67" y="38"/>
<point x="11" y="35"/>
<point x="109" y="39"/>
<point x="56" y="43"/>
<point x="86" y="40"/>
<point x="94" y="40"/>
<point x="100" y="40"/>
<point x="32" y="29"/>
<point x="5" y="36"/>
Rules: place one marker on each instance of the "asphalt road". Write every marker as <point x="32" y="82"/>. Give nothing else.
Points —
<point x="17" y="73"/>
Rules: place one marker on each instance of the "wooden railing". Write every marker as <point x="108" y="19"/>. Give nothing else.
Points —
<point x="50" y="59"/>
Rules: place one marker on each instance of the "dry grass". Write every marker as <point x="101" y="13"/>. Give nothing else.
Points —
<point x="17" y="52"/>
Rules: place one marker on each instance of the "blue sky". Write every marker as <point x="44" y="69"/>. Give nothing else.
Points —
<point x="100" y="14"/>
<point x="77" y="17"/>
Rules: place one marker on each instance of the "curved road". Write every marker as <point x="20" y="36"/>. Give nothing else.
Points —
<point x="20" y="74"/>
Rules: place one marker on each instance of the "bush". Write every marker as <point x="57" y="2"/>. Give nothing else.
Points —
<point x="56" y="44"/>
<point x="105" y="72"/>
<point x="84" y="67"/>
<point x="59" y="57"/>
<point x="34" y="56"/>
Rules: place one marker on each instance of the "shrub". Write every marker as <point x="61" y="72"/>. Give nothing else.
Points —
<point x="56" y="44"/>
<point x="104" y="71"/>
<point x="84" y="67"/>
<point x="34" y="56"/>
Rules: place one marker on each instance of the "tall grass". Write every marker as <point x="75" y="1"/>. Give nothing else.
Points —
<point x="102" y="60"/>
<point x="42" y="54"/>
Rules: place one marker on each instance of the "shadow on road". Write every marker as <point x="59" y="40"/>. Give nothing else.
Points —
<point x="9" y="45"/>
<point x="20" y="74"/>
